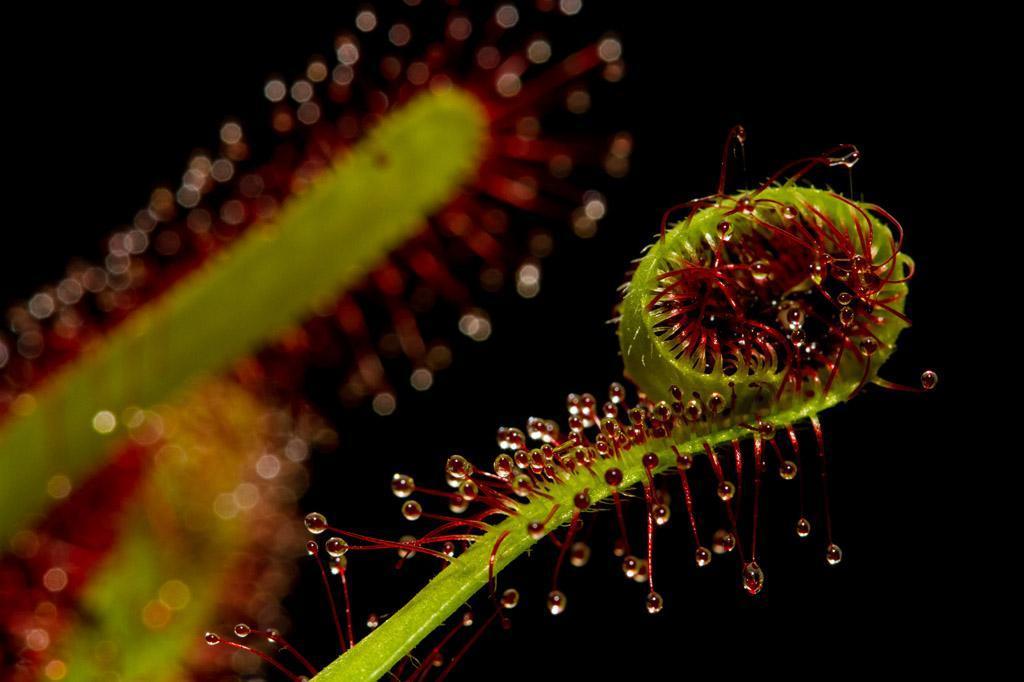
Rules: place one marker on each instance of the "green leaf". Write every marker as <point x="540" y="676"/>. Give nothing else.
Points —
<point x="325" y="239"/>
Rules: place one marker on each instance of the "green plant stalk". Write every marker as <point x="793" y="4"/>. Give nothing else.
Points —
<point x="323" y="240"/>
<point x="378" y="652"/>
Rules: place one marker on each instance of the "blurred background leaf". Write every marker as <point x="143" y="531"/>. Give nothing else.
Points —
<point x="327" y="237"/>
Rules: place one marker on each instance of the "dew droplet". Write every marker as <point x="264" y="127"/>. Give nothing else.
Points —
<point x="753" y="577"/>
<point x="630" y="566"/>
<point x="402" y="485"/>
<point x="412" y="510"/>
<point x="726" y="490"/>
<point x="817" y="272"/>
<point x="469" y="490"/>
<point x="336" y="546"/>
<point x="409" y="550"/>
<point x="616" y="393"/>
<point x="684" y="461"/>
<point x="787" y="470"/>
<point x="716" y="403"/>
<point x="654" y="602"/>
<point x="504" y="466"/>
<point x="458" y="504"/>
<point x="661" y="514"/>
<point x="703" y="556"/>
<point x="725" y="230"/>
<point x="522" y="486"/>
<point x="613" y="477"/>
<point x="521" y="459"/>
<point x="510" y="598"/>
<point x="723" y="541"/>
<point x="511" y="439"/>
<point x="242" y="630"/>
<point x="846" y="316"/>
<point x="929" y="379"/>
<point x="535" y="529"/>
<point x="579" y="554"/>
<point x="794" y="317"/>
<point x="458" y="467"/>
<point x="556" y="602"/>
<point x="803" y="527"/>
<point x="833" y="555"/>
<point x="316" y="523"/>
<point x="868" y="346"/>
<point x="845" y="298"/>
<point x="581" y="499"/>
<point x="211" y="638"/>
<point x="650" y="461"/>
<point x="637" y="415"/>
<point x="759" y="270"/>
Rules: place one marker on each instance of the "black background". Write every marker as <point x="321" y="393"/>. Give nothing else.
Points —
<point x="104" y="105"/>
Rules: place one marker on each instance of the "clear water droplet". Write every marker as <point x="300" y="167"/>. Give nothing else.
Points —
<point x="556" y="602"/>
<point x="316" y="523"/>
<point x="753" y="577"/>
<point x="726" y="490"/>
<point x="654" y="602"/>
<point x="402" y="486"/>
<point x="510" y="598"/>
<point x="336" y="546"/>
<point x="412" y="510"/>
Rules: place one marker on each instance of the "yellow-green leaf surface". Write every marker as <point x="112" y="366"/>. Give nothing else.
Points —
<point x="326" y="238"/>
<point x="186" y="541"/>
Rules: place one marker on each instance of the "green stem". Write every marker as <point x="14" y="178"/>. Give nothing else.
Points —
<point x="323" y="240"/>
<point x="377" y="653"/>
